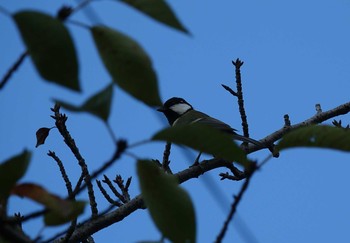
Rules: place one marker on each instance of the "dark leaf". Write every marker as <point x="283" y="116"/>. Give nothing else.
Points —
<point x="50" y="46"/>
<point x="170" y="206"/>
<point x="60" y="210"/>
<point x="128" y="64"/>
<point x="11" y="171"/>
<point x="318" y="136"/>
<point x="205" y="139"/>
<point x="158" y="10"/>
<point x="98" y="105"/>
<point x="41" y="135"/>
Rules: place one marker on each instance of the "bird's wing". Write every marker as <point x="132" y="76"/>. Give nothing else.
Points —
<point x="194" y="116"/>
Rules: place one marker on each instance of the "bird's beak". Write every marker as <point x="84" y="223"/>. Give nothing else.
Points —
<point x="161" y="109"/>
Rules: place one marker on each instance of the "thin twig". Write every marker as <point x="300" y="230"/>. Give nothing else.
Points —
<point x="113" y="189"/>
<point x="111" y="132"/>
<point x="33" y="215"/>
<point x="107" y="197"/>
<point x="237" y="200"/>
<point x="238" y="64"/>
<point x="63" y="172"/>
<point x="248" y="173"/>
<point x="12" y="69"/>
<point x="229" y="90"/>
<point x="61" y="126"/>
<point x="166" y="161"/>
<point x="123" y="188"/>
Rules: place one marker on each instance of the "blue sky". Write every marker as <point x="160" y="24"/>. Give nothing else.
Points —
<point x="296" y="55"/>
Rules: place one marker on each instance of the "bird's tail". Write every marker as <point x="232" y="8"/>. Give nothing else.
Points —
<point x="248" y="140"/>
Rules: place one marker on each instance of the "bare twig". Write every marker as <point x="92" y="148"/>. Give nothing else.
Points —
<point x="111" y="132"/>
<point x="238" y="64"/>
<point x="235" y="203"/>
<point x="61" y="126"/>
<point x="63" y="172"/>
<point x="123" y="188"/>
<point x="33" y="215"/>
<point x="106" y="195"/>
<point x="108" y="182"/>
<point x="229" y="90"/>
<point x="12" y="69"/>
<point x="166" y="161"/>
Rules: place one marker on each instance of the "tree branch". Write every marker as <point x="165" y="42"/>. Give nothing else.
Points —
<point x="319" y="117"/>
<point x="119" y="214"/>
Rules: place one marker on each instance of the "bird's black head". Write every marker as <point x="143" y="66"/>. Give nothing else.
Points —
<point x="174" y="107"/>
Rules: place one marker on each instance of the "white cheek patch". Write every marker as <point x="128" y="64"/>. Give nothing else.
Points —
<point x="180" y="108"/>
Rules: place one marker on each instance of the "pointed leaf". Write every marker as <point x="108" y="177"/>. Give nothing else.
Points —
<point x="50" y="46"/>
<point x="41" y="135"/>
<point x="11" y="171"/>
<point x="128" y="64"/>
<point x="98" y="105"/>
<point x="158" y="10"/>
<point x="170" y="206"/>
<point x="60" y="210"/>
<point x="205" y="139"/>
<point x="318" y="136"/>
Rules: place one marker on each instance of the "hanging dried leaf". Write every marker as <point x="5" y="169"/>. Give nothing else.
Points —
<point x="41" y="135"/>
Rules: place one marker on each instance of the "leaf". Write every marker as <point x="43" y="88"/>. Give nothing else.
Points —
<point x="11" y="171"/>
<point x="128" y="64"/>
<point x="60" y="210"/>
<point x="72" y="210"/>
<point x="41" y="135"/>
<point x="158" y="10"/>
<point x="98" y="105"/>
<point x="205" y="139"/>
<point x="319" y="136"/>
<point x="170" y="206"/>
<point x="50" y="46"/>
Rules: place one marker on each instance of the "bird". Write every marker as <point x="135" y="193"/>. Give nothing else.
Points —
<point x="179" y="112"/>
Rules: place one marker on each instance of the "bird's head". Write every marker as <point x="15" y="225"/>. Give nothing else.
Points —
<point x="175" y="107"/>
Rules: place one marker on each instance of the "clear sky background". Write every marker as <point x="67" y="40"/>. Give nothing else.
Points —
<point x="296" y="54"/>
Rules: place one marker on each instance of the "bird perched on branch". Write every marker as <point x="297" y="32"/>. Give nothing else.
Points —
<point x="179" y="112"/>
